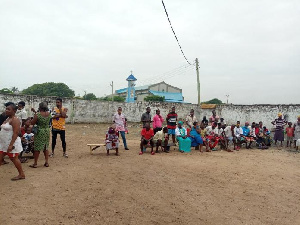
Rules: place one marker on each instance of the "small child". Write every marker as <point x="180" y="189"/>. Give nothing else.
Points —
<point x="27" y="140"/>
<point x="112" y="140"/>
<point x="290" y="134"/>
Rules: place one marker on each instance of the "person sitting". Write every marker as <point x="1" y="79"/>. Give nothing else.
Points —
<point x="195" y="136"/>
<point x="203" y="133"/>
<point x="181" y="137"/>
<point x="112" y="140"/>
<point x="161" y="139"/>
<point x="27" y="140"/>
<point x="27" y="124"/>
<point x="190" y="119"/>
<point x="147" y="138"/>
<point x="204" y="121"/>
<point x="237" y="137"/>
<point x="248" y="137"/>
<point x="212" y="136"/>
<point x="227" y="134"/>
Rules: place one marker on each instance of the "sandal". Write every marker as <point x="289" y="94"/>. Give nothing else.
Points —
<point x="33" y="166"/>
<point x="46" y="165"/>
<point x="51" y="155"/>
<point x="17" y="178"/>
<point x="65" y="155"/>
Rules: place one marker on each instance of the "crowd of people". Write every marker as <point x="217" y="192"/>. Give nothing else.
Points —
<point x="212" y="134"/>
<point x="21" y="134"/>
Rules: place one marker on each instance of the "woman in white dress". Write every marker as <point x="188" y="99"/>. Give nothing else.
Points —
<point x="10" y="142"/>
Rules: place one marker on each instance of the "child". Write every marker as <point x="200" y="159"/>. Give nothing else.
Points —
<point x="112" y="140"/>
<point x="290" y="134"/>
<point x="27" y="140"/>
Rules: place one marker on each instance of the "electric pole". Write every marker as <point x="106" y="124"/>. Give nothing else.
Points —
<point x="112" y="91"/>
<point x="198" y="81"/>
<point x="227" y="98"/>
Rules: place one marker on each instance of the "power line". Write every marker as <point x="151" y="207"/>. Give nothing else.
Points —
<point x="174" y="32"/>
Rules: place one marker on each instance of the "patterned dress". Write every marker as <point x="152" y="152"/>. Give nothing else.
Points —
<point x="42" y="137"/>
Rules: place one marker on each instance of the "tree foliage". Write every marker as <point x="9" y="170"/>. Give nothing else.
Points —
<point x="116" y="99"/>
<point x="90" y="96"/>
<point x="154" y="98"/>
<point x="214" y="101"/>
<point x="49" y="89"/>
<point x="6" y="91"/>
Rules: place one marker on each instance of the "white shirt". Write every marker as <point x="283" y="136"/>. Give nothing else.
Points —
<point x="210" y="131"/>
<point x="228" y="132"/>
<point x="21" y="114"/>
<point x="177" y="132"/>
<point x="238" y="131"/>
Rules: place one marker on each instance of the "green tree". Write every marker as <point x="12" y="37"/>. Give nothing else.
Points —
<point x="154" y="98"/>
<point x="90" y="96"/>
<point x="49" y="89"/>
<point x="15" y="90"/>
<point x="214" y="101"/>
<point x="5" y="91"/>
<point x="116" y="99"/>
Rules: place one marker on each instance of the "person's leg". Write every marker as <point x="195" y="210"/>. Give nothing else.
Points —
<point x="117" y="151"/>
<point x="158" y="143"/>
<point x="46" y="154"/>
<point x="54" y="136"/>
<point x="62" y="134"/>
<point x="36" y="155"/>
<point x="141" y="147"/>
<point x="124" y="139"/>
<point x="152" y="145"/>
<point x="173" y="138"/>
<point x="1" y="158"/>
<point x="18" y="165"/>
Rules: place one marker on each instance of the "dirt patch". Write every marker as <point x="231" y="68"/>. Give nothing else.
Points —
<point x="246" y="187"/>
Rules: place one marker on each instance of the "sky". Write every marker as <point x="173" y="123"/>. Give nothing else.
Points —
<point x="249" y="50"/>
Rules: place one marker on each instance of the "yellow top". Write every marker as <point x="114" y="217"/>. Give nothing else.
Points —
<point x="59" y="123"/>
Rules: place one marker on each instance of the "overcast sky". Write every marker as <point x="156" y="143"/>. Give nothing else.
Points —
<point x="248" y="49"/>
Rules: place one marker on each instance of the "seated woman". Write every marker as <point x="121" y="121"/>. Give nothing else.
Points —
<point x="112" y="140"/>
<point x="147" y="138"/>
<point x="246" y="132"/>
<point x="161" y="139"/>
<point x="181" y="137"/>
<point x="196" y="139"/>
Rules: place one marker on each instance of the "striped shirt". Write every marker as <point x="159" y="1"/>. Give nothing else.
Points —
<point x="279" y="123"/>
<point x="171" y="120"/>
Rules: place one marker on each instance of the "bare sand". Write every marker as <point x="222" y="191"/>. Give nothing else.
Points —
<point x="245" y="187"/>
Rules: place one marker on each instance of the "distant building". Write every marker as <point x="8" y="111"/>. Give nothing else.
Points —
<point x="171" y="93"/>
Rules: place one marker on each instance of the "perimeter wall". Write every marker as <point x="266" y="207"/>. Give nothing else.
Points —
<point x="84" y="111"/>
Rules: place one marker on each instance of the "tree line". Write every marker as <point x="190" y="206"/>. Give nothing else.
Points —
<point x="63" y="90"/>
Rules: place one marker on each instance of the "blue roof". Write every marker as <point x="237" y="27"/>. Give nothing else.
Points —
<point x="131" y="78"/>
<point x="169" y="96"/>
<point x="123" y="90"/>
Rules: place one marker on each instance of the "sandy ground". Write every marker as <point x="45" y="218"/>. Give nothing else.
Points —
<point x="246" y="187"/>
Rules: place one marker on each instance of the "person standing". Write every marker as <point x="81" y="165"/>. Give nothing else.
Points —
<point x="157" y="122"/>
<point x="297" y="131"/>
<point x="21" y="113"/>
<point x="190" y="120"/>
<point x="10" y="142"/>
<point x="120" y="121"/>
<point x="59" y="126"/>
<point x="146" y="117"/>
<point x="214" y="117"/>
<point x="279" y="129"/>
<point x="42" y="137"/>
<point x="171" y="123"/>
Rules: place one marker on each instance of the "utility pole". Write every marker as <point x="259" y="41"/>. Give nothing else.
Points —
<point x="112" y="90"/>
<point x="198" y="81"/>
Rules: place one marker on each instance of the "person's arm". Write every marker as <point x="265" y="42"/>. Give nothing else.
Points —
<point x="34" y="120"/>
<point x="15" y="123"/>
<point x="142" y="118"/>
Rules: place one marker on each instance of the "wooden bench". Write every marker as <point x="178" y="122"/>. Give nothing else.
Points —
<point x="94" y="145"/>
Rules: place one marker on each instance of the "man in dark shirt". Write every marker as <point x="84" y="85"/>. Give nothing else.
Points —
<point x="146" y="117"/>
<point x="171" y="123"/>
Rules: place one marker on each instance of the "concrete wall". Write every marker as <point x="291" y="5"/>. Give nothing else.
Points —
<point x="83" y="111"/>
